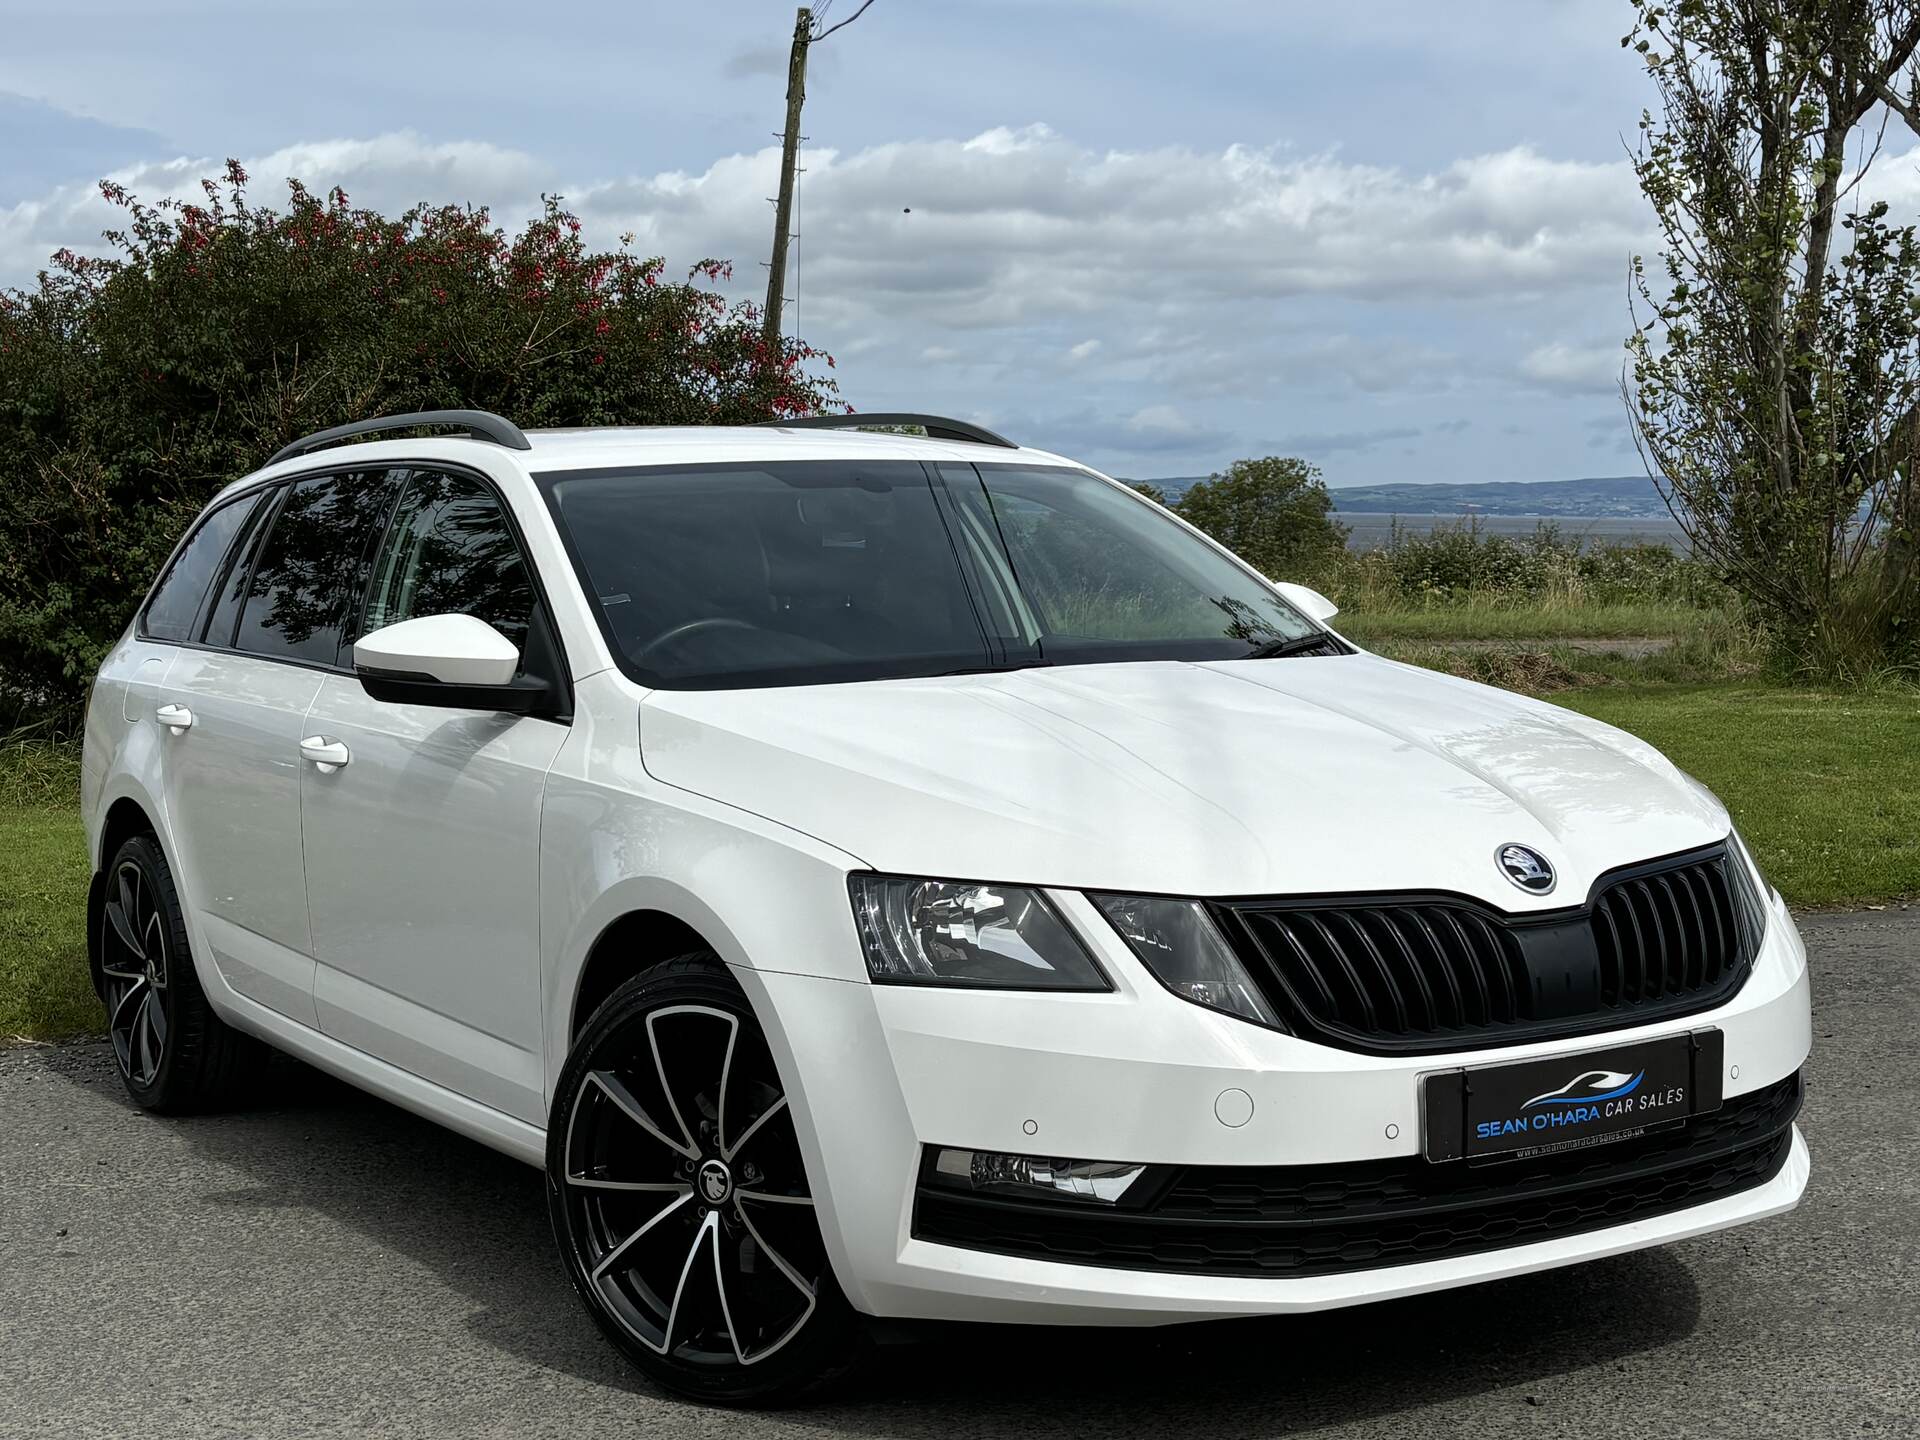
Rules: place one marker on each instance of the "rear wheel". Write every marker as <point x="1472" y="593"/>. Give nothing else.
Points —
<point x="679" y="1198"/>
<point x="172" y="1051"/>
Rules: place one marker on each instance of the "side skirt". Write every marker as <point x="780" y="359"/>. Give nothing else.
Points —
<point x="479" y="1122"/>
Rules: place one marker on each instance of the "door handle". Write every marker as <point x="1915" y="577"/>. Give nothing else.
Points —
<point x="327" y="755"/>
<point x="177" y="718"/>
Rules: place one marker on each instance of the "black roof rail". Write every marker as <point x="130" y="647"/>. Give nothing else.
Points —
<point x="481" y="424"/>
<point x="938" y="427"/>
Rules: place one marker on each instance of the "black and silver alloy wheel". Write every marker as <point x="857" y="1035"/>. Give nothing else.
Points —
<point x="172" y="1051"/>
<point x="134" y="965"/>
<point x="680" y="1199"/>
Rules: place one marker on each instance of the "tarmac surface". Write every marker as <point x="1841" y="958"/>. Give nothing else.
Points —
<point x="322" y="1264"/>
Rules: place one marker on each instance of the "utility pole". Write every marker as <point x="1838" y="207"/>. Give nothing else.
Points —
<point x="804" y="36"/>
<point x="789" y="154"/>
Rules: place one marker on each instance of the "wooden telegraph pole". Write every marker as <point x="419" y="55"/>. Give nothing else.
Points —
<point x="789" y="154"/>
<point x="803" y="38"/>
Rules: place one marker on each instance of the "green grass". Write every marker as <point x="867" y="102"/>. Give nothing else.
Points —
<point x="44" y="990"/>
<point x="1476" y="619"/>
<point x="1824" y="787"/>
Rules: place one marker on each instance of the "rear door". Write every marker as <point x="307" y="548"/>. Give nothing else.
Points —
<point x="423" y="850"/>
<point x="232" y="777"/>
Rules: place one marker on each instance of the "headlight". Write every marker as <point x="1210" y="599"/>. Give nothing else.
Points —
<point x="952" y="932"/>
<point x="1178" y="942"/>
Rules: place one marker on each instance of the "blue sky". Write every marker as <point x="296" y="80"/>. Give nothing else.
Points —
<point x="1390" y="237"/>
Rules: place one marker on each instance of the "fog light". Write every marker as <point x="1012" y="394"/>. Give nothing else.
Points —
<point x="1101" y="1181"/>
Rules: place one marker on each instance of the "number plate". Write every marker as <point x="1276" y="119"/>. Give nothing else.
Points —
<point x="1570" y="1101"/>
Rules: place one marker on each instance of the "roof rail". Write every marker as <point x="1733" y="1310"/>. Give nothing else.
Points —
<point x="938" y="427"/>
<point x="481" y="424"/>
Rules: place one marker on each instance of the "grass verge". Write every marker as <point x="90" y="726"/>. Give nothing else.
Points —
<point x="44" y="990"/>
<point x="1824" y="787"/>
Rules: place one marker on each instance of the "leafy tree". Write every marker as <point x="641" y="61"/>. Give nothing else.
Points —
<point x="1775" y="367"/>
<point x="1275" y="514"/>
<point x="133" y="386"/>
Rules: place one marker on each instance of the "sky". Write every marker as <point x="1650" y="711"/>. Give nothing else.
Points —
<point x="1391" y="237"/>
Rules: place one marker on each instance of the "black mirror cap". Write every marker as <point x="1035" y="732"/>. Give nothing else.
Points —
<point x="524" y="695"/>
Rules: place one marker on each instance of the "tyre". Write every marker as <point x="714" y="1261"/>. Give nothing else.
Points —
<point x="173" y="1053"/>
<point x="680" y="1201"/>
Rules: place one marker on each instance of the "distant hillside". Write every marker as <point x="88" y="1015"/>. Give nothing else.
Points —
<point x="1625" y="497"/>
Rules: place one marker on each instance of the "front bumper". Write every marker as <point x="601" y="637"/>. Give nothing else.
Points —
<point x="878" y="1072"/>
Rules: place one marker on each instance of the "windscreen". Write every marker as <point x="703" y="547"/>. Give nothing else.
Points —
<point x="819" y="571"/>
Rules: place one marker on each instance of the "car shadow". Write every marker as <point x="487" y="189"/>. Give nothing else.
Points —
<point x="479" y="1221"/>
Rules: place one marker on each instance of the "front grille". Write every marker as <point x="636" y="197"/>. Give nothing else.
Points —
<point x="1325" y="1219"/>
<point x="1409" y="974"/>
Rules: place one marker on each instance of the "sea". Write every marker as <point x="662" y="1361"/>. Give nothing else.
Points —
<point x="1367" y="530"/>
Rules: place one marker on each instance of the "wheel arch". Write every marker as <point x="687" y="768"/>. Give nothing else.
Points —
<point x="124" y="818"/>
<point x="630" y="944"/>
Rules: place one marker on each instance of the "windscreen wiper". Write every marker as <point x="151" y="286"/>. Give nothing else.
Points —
<point x="1006" y="668"/>
<point x="1291" y="645"/>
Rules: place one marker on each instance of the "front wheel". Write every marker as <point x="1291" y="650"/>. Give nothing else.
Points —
<point x="679" y="1199"/>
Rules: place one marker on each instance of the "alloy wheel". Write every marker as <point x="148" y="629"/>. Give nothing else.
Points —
<point x="135" y="964"/>
<point x="686" y="1200"/>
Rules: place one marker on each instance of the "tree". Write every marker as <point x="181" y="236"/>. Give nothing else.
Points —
<point x="1275" y="514"/>
<point x="133" y="386"/>
<point x="1775" y="364"/>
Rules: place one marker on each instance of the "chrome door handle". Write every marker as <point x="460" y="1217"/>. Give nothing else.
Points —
<point x="327" y="755"/>
<point x="176" y="718"/>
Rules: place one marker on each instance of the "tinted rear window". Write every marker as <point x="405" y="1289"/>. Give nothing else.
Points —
<point x="174" y="610"/>
<point x="307" y="584"/>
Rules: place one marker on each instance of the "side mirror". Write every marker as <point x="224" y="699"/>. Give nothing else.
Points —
<point x="1305" y="597"/>
<point x="458" y="661"/>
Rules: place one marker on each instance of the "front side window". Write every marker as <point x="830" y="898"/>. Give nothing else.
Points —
<point x="807" y="572"/>
<point x="305" y="588"/>
<point x="450" y="551"/>
<point x="174" y="610"/>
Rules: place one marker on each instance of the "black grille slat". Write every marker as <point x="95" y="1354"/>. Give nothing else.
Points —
<point x="1613" y="970"/>
<point x="1680" y="956"/>
<point x="1388" y="997"/>
<point x="1327" y="1219"/>
<point x="1412" y="974"/>
<point x="1662" y="947"/>
<point x="1480" y="981"/>
<point x="1362" y="1001"/>
<point x="1307" y="968"/>
<point x="1454" y="1012"/>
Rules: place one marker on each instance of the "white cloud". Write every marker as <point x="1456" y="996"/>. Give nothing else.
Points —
<point x="389" y="172"/>
<point x="1159" y="420"/>
<point x="1583" y="368"/>
<point x="1017" y="218"/>
<point x="1227" y="293"/>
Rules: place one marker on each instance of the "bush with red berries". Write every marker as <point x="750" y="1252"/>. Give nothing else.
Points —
<point x="134" y="385"/>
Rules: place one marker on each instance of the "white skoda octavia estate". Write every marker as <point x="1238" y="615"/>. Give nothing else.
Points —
<point x="885" y="875"/>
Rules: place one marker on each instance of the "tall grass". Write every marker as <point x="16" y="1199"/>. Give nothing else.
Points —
<point x="1547" y="571"/>
<point x="39" y="769"/>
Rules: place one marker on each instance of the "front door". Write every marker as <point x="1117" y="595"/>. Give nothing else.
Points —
<point x="423" y="849"/>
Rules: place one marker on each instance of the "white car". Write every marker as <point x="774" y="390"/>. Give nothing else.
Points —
<point x="886" y="876"/>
